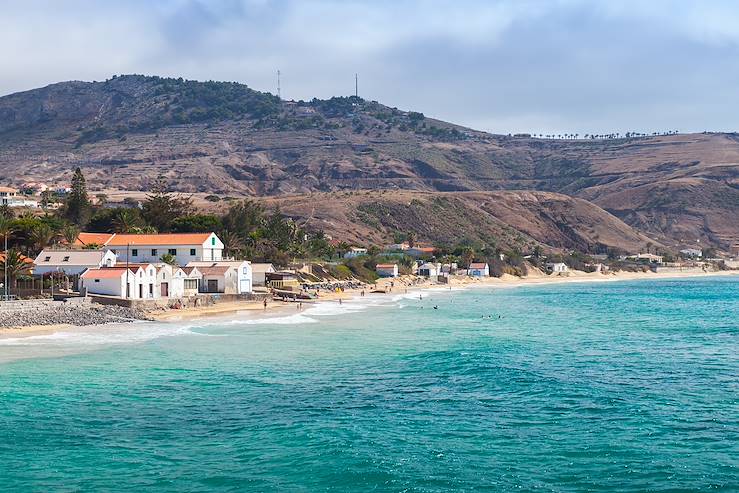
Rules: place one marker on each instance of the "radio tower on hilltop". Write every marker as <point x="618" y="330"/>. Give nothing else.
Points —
<point x="356" y="85"/>
<point x="279" y="94"/>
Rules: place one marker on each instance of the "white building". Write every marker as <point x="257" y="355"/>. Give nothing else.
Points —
<point x="355" y="252"/>
<point x="243" y="268"/>
<point x="136" y="283"/>
<point x="184" y="247"/>
<point x="191" y="283"/>
<point x="645" y="257"/>
<point x="692" y="252"/>
<point x="478" y="269"/>
<point x="219" y="279"/>
<point x="429" y="269"/>
<point x="387" y="270"/>
<point x="72" y="262"/>
<point x="557" y="267"/>
<point x="259" y="271"/>
<point x="11" y="198"/>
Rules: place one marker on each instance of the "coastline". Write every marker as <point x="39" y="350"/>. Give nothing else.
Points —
<point x="403" y="285"/>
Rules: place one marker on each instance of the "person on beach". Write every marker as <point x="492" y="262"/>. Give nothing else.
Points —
<point x="339" y="300"/>
<point x="265" y="303"/>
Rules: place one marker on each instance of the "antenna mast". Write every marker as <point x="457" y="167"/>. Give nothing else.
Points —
<point x="279" y="94"/>
<point x="356" y="85"/>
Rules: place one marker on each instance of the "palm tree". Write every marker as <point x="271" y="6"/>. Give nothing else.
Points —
<point x="6" y="230"/>
<point x="13" y="265"/>
<point x="70" y="234"/>
<point x="124" y="221"/>
<point x="232" y="243"/>
<point x="42" y="236"/>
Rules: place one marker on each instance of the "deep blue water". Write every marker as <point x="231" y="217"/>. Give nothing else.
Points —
<point x="628" y="386"/>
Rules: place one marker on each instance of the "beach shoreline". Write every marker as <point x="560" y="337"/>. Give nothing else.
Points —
<point x="390" y="286"/>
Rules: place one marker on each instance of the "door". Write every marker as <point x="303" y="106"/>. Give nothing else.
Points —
<point x="165" y="289"/>
<point x="141" y="291"/>
<point x="212" y="285"/>
<point x="244" y="286"/>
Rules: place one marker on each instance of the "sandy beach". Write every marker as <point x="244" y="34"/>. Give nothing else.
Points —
<point x="401" y="285"/>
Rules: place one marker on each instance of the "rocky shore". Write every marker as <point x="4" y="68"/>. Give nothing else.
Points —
<point x="55" y="313"/>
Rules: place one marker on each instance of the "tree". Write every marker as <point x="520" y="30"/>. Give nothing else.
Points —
<point x="168" y="258"/>
<point x="14" y="265"/>
<point x="6" y="229"/>
<point x="42" y="236"/>
<point x="162" y="207"/>
<point x="70" y="234"/>
<point x="232" y="243"/>
<point x="102" y="199"/>
<point x="124" y="221"/>
<point x="467" y="256"/>
<point x="77" y="207"/>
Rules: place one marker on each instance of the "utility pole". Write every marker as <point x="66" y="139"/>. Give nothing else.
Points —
<point x="356" y="85"/>
<point x="128" y="247"/>
<point x="5" y="270"/>
<point x="279" y="92"/>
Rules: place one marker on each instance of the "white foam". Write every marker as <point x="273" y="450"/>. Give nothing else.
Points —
<point x="102" y="335"/>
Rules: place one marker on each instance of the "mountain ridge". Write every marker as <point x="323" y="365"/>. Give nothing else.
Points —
<point x="229" y="139"/>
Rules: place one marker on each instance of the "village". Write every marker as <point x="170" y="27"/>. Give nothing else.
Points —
<point x="142" y="269"/>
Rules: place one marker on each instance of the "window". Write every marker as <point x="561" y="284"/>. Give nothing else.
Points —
<point x="154" y="252"/>
<point x="65" y="259"/>
<point x="172" y="251"/>
<point x="191" y="284"/>
<point x="97" y="280"/>
<point x="46" y="259"/>
<point x="246" y="270"/>
<point x="134" y="252"/>
<point x="213" y="241"/>
<point x="192" y="252"/>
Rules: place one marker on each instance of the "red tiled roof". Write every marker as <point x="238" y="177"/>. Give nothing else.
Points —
<point x="93" y="238"/>
<point x="107" y="273"/>
<point x="386" y="266"/>
<point x="159" y="239"/>
<point x="478" y="265"/>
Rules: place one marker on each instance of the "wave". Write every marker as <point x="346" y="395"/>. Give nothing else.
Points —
<point x="103" y="335"/>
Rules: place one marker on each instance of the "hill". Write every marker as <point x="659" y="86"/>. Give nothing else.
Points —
<point x="507" y="219"/>
<point x="226" y="138"/>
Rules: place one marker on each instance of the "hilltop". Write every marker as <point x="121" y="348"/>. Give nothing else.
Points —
<point x="226" y="138"/>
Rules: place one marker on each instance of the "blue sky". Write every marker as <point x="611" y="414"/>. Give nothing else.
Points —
<point x="503" y="66"/>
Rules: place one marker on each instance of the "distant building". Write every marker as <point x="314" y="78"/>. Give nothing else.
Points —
<point x="282" y="280"/>
<point x="397" y="247"/>
<point x="420" y="251"/>
<point x="11" y="198"/>
<point x="645" y="257"/>
<point x="259" y="271"/>
<point x="355" y="252"/>
<point x="557" y="267"/>
<point x="478" y="269"/>
<point x="429" y="269"/>
<point x="387" y="270"/>
<point x="691" y="252"/>
<point x="219" y="279"/>
<point x="243" y="273"/>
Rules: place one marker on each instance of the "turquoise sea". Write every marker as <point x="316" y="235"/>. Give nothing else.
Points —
<point x="623" y="386"/>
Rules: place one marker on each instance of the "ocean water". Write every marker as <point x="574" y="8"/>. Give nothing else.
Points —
<point x="625" y="386"/>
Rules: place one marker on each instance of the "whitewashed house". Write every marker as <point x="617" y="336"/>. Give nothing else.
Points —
<point x="219" y="279"/>
<point x="557" y="267"/>
<point x="11" y="198"/>
<point x="184" y="247"/>
<point x="429" y="269"/>
<point x="387" y="270"/>
<point x="259" y="272"/>
<point x="72" y="262"/>
<point x="479" y="269"/>
<point x="192" y="280"/>
<point x="135" y="282"/>
<point x="692" y="252"/>
<point x="355" y="252"/>
<point x="243" y="270"/>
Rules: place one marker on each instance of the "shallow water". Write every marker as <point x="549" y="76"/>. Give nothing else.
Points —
<point x="628" y="386"/>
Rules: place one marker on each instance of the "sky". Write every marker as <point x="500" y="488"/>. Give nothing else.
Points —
<point x="556" y="66"/>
